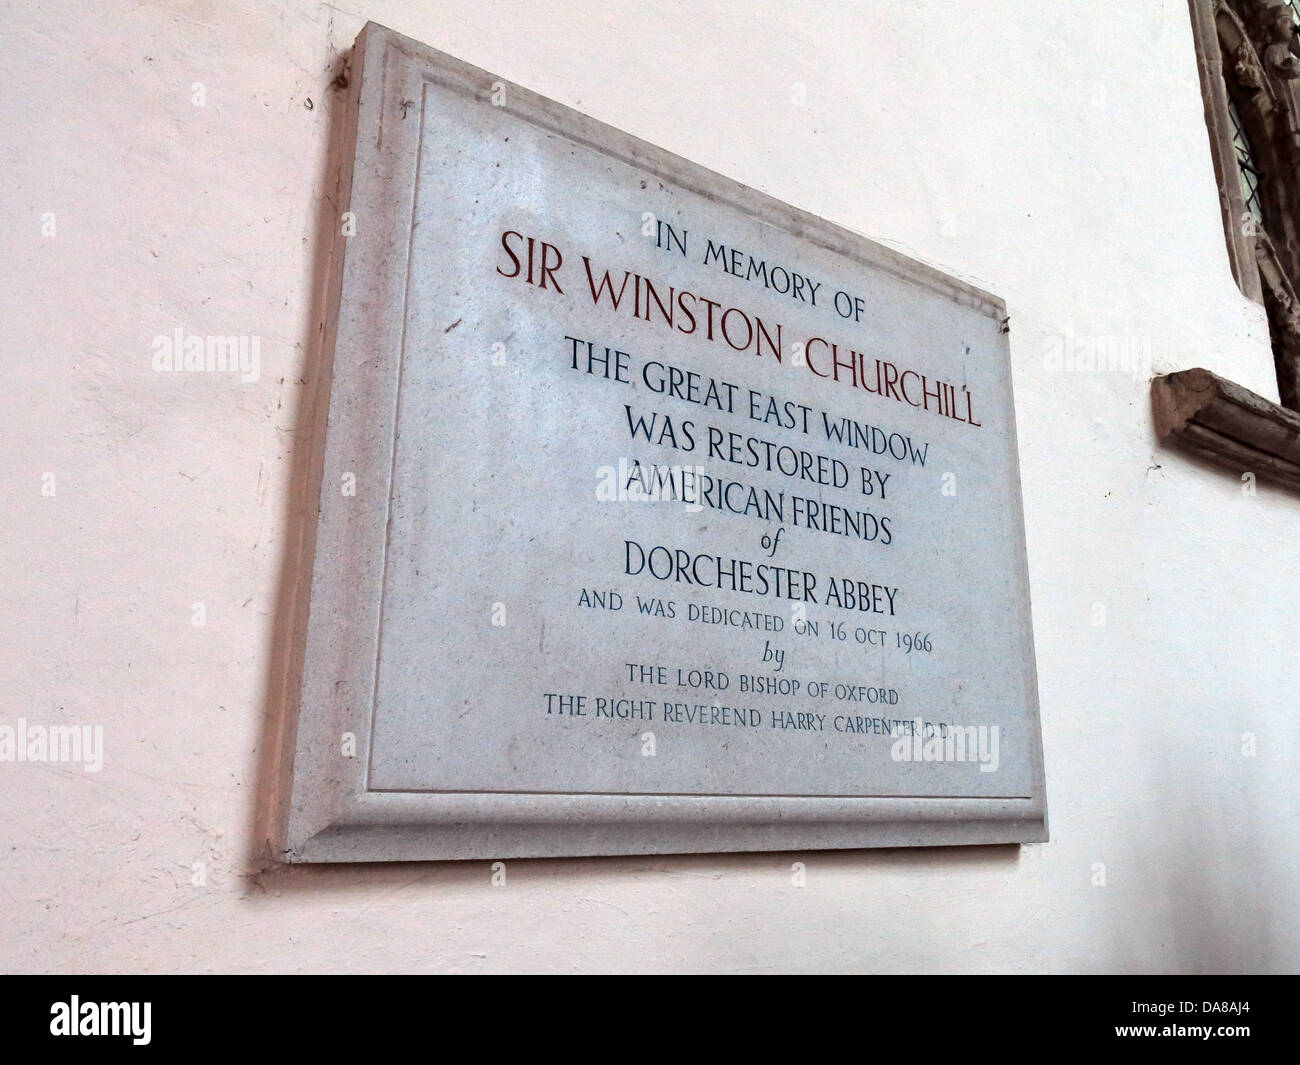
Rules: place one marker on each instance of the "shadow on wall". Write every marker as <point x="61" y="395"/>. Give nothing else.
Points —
<point x="301" y="502"/>
<point x="1207" y="920"/>
<point x="363" y="878"/>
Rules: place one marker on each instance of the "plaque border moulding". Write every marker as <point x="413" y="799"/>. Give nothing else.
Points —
<point x="325" y="812"/>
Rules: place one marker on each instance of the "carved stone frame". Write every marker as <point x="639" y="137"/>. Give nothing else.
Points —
<point x="1247" y="55"/>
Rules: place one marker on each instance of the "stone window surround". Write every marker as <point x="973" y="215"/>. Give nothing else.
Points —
<point x="1221" y="420"/>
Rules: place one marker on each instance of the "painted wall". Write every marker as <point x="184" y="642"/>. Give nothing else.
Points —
<point x="1054" y="154"/>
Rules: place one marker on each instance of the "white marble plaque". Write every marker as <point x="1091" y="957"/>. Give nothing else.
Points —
<point x="655" y="515"/>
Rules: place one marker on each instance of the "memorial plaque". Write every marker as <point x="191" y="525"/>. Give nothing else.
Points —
<point x="655" y="515"/>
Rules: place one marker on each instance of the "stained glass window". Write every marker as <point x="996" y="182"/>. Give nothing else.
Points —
<point x="1247" y="171"/>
